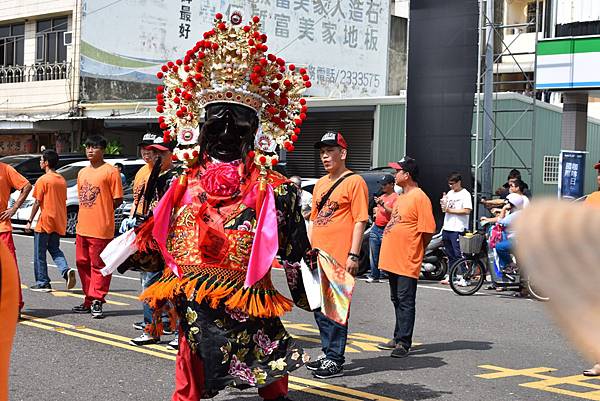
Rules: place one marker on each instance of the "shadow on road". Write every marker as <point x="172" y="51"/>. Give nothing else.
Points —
<point x="403" y="391"/>
<point x="457" y="345"/>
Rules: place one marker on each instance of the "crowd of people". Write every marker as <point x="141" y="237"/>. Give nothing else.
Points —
<point x="208" y="230"/>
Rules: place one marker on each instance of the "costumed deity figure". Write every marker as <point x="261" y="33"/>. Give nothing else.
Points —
<point x="222" y="224"/>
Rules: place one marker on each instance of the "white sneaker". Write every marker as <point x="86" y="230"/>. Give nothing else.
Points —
<point x="144" y="339"/>
<point x="173" y="344"/>
<point x="462" y="282"/>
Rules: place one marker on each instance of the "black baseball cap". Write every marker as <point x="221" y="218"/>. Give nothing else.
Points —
<point x="148" y="139"/>
<point x="387" y="179"/>
<point x="331" y="138"/>
<point x="408" y="165"/>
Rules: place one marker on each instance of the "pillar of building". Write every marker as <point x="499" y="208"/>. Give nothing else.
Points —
<point x="574" y="121"/>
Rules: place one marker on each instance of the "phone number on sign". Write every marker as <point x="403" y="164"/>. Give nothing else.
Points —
<point x="357" y="78"/>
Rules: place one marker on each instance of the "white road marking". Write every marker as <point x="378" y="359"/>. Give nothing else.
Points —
<point x="64" y="241"/>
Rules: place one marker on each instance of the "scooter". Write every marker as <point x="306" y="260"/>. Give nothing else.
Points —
<point x="435" y="261"/>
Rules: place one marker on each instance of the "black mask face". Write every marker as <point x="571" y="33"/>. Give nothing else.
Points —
<point x="228" y="132"/>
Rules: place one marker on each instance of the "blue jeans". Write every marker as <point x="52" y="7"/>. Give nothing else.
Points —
<point x="403" y="293"/>
<point x="149" y="278"/>
<point x="43" y="242"/>
<point x="333" y="337"/>
<point x="451" y="246"/>
<point x="375" y="236"/>
<point x="503" y="249"/>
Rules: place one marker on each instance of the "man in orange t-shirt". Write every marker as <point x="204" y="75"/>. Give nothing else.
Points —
<point x="10" y="180"/>
<point x="100" y="193"/>
<point x="50" y="193"/>
<point x="404" y="241"/>
<point x="336" y="227"/>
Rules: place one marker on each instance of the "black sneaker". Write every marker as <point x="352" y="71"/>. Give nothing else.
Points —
<point x="328" y="370"/>
<point x="41" y="288"/>
<point x="316" y="364"/>
<point x="97" y="310"/>
<point x="399" y="352"/>
<point x="83" y="308"/>
<point x="139" y="325"/>
<point x="390" y="345"/>
<point x="70" y="278"/>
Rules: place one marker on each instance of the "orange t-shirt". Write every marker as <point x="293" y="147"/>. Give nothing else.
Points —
<point x="139" y="186"/>
<point x="97" y="188"/>
<point x="51" y="192"/>
<point x="9" y="179"/>
<point x="383" y="217"/>
<point x="593" y="199"/>
<point x="402" y="245"/>
<point x="332" y="227"/>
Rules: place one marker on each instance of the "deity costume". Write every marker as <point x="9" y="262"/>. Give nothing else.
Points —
<point x="229" y="217"/>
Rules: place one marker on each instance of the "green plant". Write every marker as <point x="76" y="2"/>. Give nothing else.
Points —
<point x="113" y="147"/>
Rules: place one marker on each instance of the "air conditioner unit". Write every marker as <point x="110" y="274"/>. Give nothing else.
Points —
<point x="68" y="38"/>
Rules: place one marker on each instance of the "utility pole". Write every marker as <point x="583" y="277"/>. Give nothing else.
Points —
<point x="488" y="106"/>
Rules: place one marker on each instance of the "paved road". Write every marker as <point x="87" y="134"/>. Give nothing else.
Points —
<point x="488" y="346"/>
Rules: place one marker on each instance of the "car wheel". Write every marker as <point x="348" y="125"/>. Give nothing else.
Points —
<point x="72" y="220"/>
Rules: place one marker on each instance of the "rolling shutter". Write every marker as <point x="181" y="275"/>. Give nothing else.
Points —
<point x="355" y="125"/>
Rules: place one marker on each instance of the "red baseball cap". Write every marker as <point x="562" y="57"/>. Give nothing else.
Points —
<point x="331" y="138"/>
<point x="161" y="146"/>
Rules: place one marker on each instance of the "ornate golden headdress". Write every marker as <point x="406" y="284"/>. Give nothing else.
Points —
<point x="231" y="64"/>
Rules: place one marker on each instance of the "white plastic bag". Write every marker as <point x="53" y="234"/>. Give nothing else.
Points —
<point x="312" y="285"/>
<point x="117" y="251"/>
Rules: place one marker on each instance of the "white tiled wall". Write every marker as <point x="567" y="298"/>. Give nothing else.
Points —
<point x="53" y="96"/>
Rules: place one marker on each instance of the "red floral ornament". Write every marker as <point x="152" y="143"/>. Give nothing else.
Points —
<point x="221" y="179"/>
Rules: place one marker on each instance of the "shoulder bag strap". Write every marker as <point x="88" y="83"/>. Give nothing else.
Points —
<point x="325" y="197"/>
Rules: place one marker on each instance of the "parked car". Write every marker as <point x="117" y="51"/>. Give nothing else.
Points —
<point x="28" y="165"/>
<point x="70" y="172"/>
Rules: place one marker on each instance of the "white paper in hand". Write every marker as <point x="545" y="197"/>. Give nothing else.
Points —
<point x="312" y="285"/>
<point x="117" y="251"/>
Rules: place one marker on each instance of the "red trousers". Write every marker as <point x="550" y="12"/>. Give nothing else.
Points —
<point x="189" y="372"/>
<point x="7" y="238"/>
<point x="87" y="258"/>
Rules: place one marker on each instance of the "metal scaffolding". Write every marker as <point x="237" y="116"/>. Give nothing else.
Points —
<point x="489" y="85"/>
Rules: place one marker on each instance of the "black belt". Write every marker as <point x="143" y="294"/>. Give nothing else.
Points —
<point x="379" y="226"/>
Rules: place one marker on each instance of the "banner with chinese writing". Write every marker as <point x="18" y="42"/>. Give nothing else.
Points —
<point x="571" y="174"/>
<point x="342" y="43"/>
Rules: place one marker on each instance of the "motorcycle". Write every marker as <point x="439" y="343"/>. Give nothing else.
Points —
<point x="435" y="261"/>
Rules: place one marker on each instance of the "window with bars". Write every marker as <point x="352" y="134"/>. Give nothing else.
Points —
<point x="551" y="166"/>
<point x="12" y="40"/>
<point x="50" y="41"/>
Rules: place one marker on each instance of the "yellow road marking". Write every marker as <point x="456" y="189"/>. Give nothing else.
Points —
<point x="99" y="333"/>
<point x="504" y="372"/>
<point x="343" y="390"/>
<point x="96" y="339"/>
<point x="321" y="392"/>
<point x="546" y="382"/>
<point x="71" y="294"/>
<point x="110" y="293"/>
<point x="298" y="383"/>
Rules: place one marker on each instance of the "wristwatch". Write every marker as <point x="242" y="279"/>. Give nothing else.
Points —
<point x="353" y="256"/>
